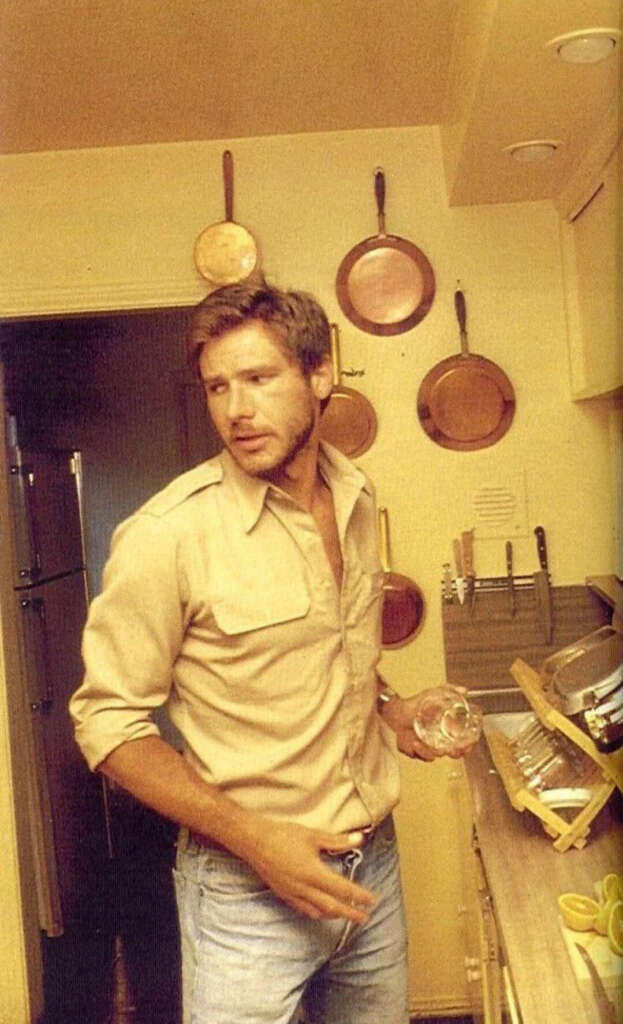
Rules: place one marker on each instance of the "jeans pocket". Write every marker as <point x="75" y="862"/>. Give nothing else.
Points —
<point x="229" y="878"/>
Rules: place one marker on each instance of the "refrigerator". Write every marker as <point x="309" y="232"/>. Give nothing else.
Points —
<point x="67" y="803"/>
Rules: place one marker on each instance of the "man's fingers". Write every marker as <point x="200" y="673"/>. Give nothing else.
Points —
<point x="419" y="749"/>
<point x="319" y="904"/>
<point x="340" y="842"/>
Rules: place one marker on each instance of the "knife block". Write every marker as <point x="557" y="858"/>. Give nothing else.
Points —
<point x="607" y="774"/>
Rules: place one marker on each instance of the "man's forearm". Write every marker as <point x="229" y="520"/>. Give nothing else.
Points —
<point x="285" y="855"/>
<point x="152" y="771"/>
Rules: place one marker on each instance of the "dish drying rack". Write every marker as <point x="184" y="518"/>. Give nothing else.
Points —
<point x="604" y="772"/>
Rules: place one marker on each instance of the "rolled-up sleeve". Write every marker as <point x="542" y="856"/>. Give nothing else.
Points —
<point x="131" y="640"/>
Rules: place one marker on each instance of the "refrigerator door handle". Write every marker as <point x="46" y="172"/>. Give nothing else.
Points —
<point x="44" y="699"/>
<point x="25" y="477"/>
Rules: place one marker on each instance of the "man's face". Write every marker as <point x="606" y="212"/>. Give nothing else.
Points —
<point x="262" y="406"/>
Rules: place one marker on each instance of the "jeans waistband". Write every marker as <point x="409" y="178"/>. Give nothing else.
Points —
<point x="206" y="842"/>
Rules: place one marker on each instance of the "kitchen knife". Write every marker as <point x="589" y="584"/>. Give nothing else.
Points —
<point x="542" y="587"/>
<point x="605" y="1007"/>
<point x="447" y="583"/>
<point x="509" y="576"/>
<point x="467" y="550"/>
<point x="458" y="563"/>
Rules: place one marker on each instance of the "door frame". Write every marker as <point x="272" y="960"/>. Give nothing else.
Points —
<point x="21" y="981"/>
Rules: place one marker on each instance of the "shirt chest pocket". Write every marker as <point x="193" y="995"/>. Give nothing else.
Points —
<point x="244" y="612"/>
<point x="251" y="634"/>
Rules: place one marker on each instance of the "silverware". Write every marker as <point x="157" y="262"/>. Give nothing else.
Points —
<point x="467" y="550"/>
<point x="542" y="587"/>
<point x="509" y="577"/>
<point x="458" y="563"/>
<point x="447" y="582"/>
<point x="605" y="1007"/>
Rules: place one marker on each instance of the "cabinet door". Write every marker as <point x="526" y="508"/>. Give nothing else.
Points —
<point x="483" y="956"/>
<point x="592" y="238"/>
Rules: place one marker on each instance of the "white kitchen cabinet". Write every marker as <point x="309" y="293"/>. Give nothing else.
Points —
<point x="488" y="977"/>
<point x="591" y="238"/>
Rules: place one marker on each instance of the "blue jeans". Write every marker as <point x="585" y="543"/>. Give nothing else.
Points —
<point x="247" y="958"/>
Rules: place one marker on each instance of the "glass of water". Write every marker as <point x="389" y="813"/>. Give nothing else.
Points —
<point x="445" y="720"/>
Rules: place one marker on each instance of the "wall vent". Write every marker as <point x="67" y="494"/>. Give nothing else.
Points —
<point x="499" y="509"/>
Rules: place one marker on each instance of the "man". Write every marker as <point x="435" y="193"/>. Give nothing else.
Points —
<point x="245" y="596"/>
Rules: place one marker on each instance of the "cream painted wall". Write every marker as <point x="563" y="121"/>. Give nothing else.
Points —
<point x="111" y="229"/>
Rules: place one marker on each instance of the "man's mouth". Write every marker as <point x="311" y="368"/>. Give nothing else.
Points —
<point x="249" y="442"/>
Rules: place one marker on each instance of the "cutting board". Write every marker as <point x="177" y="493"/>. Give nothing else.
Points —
<point x="608" y="964"/>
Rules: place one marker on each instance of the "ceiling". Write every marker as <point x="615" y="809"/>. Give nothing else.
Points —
<point x="83" y="73"/>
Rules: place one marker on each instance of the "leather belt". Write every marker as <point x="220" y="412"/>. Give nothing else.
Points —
<point x="207" y="843"/>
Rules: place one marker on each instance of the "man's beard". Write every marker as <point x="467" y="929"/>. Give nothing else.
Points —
<point x="298" y="443"/>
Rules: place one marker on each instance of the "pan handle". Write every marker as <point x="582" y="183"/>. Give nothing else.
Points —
<point x="335" y="355"/>
<point x="461" y="315"/>
<point x="379" y="192"/>
<point x="384" y="539"/>
<point x="228" y="184"/>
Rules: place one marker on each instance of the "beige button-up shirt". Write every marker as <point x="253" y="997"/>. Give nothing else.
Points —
<point x="219" y="602"/>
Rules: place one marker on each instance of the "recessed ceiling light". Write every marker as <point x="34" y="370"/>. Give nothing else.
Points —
<point x="533" y="150"/>
<point x="586" y="46"/>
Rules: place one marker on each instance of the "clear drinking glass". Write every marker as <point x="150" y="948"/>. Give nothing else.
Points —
<point x="445" y="720"/>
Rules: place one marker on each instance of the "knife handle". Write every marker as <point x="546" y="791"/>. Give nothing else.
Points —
<point x="509" y="559"/>
<point x="447" y="582"/>
<point x="541" y="546"/>
<point x="467" y="547"/>
<point x="458" y="558"/>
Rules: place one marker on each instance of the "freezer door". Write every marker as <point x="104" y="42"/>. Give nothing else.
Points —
<point x="67" y="809"/>
<point x="47" y="519"/>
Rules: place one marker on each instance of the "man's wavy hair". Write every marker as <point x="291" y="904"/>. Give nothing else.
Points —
<point x="297" y="319"/>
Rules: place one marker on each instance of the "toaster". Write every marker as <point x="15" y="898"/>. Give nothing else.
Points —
<point x="586" y="679"/>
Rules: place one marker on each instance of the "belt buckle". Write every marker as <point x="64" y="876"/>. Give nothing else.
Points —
<point x="367" y="831"/>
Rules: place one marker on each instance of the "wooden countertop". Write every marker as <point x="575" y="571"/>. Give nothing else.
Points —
<point x="525" y="875"/>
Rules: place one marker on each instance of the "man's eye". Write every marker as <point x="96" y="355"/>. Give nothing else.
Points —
<point x="215" y="389"/>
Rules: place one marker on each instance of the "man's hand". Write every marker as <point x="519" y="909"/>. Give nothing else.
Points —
<point x="287" y="858"/>
<point x="399" y="715"/>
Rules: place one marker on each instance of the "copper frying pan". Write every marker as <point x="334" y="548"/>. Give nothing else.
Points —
<point x="226" y="253"/>
<point x="403" y="601"/>
<point x="466" y="401"/>
<point x="385" y="284"/>
<point x="348" y="420"/>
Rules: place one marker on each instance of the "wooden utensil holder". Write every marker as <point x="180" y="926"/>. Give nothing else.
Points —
<point x="608" y="771"/>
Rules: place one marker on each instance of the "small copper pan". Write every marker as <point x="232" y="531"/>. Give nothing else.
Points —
<point x="348" y="420"/>
<point x="403" y="601"/>
<point x="385" y="284"/>
<point x="466" y="401"/>
<point x="226" y="253"/>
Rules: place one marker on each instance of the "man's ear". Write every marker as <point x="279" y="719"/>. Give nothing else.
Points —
<point x="321" y="378"/>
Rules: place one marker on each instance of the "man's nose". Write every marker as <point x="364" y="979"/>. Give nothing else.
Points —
<point x="240" y="404"/>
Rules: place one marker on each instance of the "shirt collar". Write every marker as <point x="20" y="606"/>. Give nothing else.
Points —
<point x="251" y="491"/>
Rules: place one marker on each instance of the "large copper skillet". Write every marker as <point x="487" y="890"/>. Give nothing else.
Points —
<point x="403" y="602"/>
<point x="348" y="420"/>
<point x="385" y="285"/>
<point x="226" y="253"/>
<point x="466" y="401"/>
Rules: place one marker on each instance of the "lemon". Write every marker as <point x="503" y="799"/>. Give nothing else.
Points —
<point x="578" y="912"/>
<point x="612" y="887"/>
<point x="615" y="928"/>
<point x="603" y="916"/>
